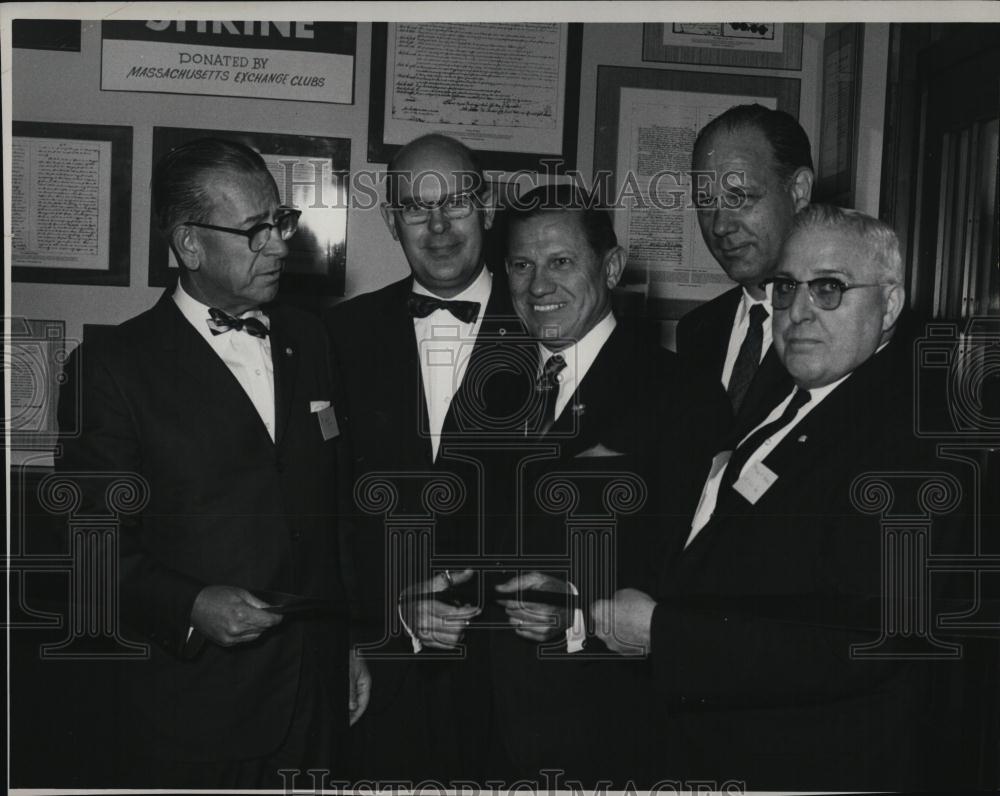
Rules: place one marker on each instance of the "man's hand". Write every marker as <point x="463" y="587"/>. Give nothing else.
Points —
<point x="360" y="687"/>
<point x="535" y="621"/>
<point x="623" y="622"/>
<point x="229" y="615"/>
<point x="437" y="624"/>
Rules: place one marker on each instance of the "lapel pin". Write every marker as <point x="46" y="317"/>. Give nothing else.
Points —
<point x="288" y="352"/>
<point x="578" y="409"/>
<point x="803" y="438"/>
<point x="502" y="331"/>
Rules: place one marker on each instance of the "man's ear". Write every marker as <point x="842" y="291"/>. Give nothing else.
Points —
<point x="390" y="219"/>
<point x="614" y="266"/>
<point x="186" y="246"/>
<point x="802" y="187"/>
<point x="489" y="208"/>
<point x="895" y="299"/>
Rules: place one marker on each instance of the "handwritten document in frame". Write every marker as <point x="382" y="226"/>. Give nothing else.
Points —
<point x="70" y="203"/>
<point x="496" y="87"/>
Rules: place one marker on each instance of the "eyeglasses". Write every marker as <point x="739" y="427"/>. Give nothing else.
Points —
<point x="286" y="221"/>
<point x="456" y="206"/>
<point x="825" y="292"/>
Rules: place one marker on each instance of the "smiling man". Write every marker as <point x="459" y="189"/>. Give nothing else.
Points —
<point x="752" y="171"/>
<point x="214" y="398"/>
<point x="617" y="411"/>
<point x="752" y="627"/>
<point x="403" y="356"/>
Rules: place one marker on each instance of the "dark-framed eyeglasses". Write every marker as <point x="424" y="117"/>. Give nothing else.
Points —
<point x="453" y="207"/>
<point x="286" y="221"/>
<point x="826" y="292"/>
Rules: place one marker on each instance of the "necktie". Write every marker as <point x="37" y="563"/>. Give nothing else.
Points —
<point x="420" y="306"/>
<point x="548" y="386"/>
<point x="222" y="322"/>
<point x="746" y="448"/>
<point x="748" y="358"/>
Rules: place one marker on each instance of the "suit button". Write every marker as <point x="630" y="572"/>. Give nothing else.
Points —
<point x="295" y="534"/>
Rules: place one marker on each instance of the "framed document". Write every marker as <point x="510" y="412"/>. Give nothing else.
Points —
<point x="37" y="356"/>
<point x="509" y="91"/>
<point x="761" y="45"/>
<point x="838" y="135"/>
<point x="71" y="203"/>
<point x="312" y="174"/>
<point x="647" y="121"/>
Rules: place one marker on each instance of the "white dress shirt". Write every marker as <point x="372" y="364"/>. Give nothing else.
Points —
<point x="579" y="357"/>
<point x="741" y="323"/>
<point x="444" y="344"/>
<point x="247" y="357"/>
<point x="710" y="492"/>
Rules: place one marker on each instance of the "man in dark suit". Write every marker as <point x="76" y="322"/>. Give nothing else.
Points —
<point x="413" y="362"/>
<point x="220" y="401"/>
<point x="752" y="170"/>
<point x="756" y="636"/>
<point x="619" y="422"/>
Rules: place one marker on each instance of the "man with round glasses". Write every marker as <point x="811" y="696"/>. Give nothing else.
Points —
<point x="758" y="632"/>
<point x="219" y="398"/>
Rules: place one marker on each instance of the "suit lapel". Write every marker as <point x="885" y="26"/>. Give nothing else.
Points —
<point x="284" y="359"/>
<point x="399" y="356"/>
<point x="194" y="362"/>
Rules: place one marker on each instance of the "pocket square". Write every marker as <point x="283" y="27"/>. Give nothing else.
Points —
<point x="318" y="406"/>
<point x="597" y="451"/>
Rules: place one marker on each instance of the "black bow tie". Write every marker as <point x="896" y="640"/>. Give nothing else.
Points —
<point x="224" y="322"/>
<point x="420" y="306"/>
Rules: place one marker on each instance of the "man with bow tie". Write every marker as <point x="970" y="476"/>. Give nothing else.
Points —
<point x="220" y="399"/>
<point x="413" y="361"/>
<point x="755" y="630"/>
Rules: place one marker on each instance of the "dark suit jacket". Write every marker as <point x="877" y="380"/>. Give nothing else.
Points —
<point x="227" y="506"/>
<point x="751" y="636"/>
<point x="631" y="436"/>
<point x="702" y="342"/>
<point x="382" y="410"/>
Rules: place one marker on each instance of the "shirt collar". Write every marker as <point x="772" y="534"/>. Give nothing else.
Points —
<point x="581" y="355"/>
<point x="478" y="291"/>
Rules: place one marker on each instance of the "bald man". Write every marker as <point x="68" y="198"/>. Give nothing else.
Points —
<point x="404" y="354"/>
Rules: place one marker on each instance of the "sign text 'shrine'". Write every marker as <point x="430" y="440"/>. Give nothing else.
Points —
<point x="245" y="27"/>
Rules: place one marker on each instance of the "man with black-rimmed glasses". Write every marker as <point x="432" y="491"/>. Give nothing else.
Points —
<point x="219" y="399"/>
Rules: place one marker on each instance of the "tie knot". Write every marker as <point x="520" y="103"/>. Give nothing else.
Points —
<point x="758" y="314"/>
<point x="799" y="399"/>
<point x="222" y="322"/>
<point x="547" y="379"/>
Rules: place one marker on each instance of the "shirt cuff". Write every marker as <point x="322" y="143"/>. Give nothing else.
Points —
<point x="417" y="646"/>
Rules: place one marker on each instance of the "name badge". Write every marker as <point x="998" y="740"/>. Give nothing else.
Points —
<point x="755" y="482"/>
<point x="328" y="422"/>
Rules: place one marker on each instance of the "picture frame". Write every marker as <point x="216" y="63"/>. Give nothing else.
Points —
<point x="78" y="234"/>
<point x="838" y="136"/>
<point x="562" y="157"/>
<point x="652" y="289"/>
<point x="768" y="45"/>
<point x="317" y="257"/>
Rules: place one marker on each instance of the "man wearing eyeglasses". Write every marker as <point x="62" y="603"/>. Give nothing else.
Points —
<point x="219" y="398"/>
<point x="413" y="359"/>
<point x="752" y="170"/>
<point x="752" y="630"/>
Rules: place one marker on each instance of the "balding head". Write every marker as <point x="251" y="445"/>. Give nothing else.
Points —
<point x="438" y="208"/>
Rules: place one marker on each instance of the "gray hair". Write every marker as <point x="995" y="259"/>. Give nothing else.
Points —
<point x="878" y="236"/>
